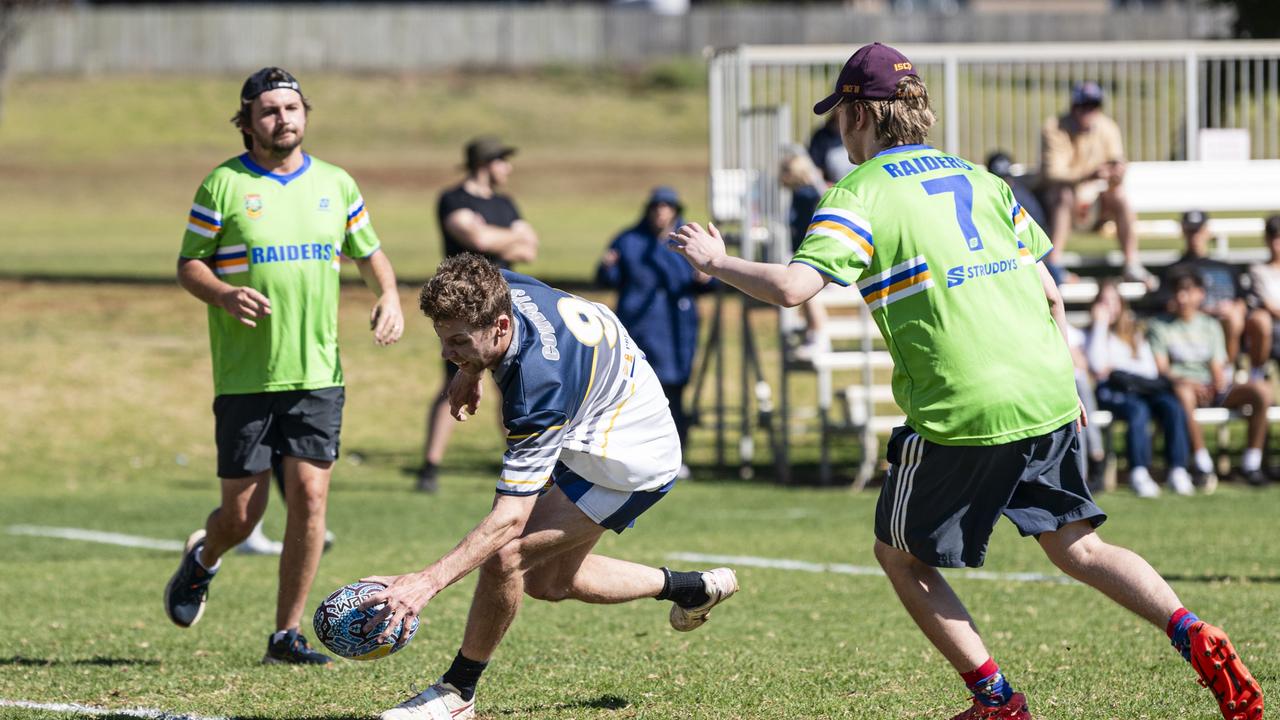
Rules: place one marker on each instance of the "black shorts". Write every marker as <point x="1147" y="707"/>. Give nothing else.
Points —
<point x="299" y="423"/>
<point x="941" y="502"/>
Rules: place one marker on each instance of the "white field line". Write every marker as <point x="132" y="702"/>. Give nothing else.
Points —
<point x="74" y="709"/>
<point x="96" y="536"/>
<point x="843" y="569"/>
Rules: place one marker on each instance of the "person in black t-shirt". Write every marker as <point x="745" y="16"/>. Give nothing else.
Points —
<point x="475" y="217"/>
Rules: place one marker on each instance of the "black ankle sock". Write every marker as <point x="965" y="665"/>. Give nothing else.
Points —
<point x="464" y="674"/>
<point x="683" y="588"/>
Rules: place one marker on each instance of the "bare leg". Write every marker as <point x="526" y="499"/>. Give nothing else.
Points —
<point x="244" y="500"/>
<point x="1062" y="200"/>
<point x="307" y="494"/>
<point x="1233" y="321"/>
<point x="1120" y="574"/>
<point x="1186" y="393"/>
<point x="1258" y="329"/>
<point x="439" y="429"/>
<point x="930" y="601"/>
<point x="1257" y="395"/>
<point x="1116" y="206"/>
<point x="552" y="561"/>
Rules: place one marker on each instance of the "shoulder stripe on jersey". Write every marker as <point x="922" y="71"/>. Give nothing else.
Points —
<point x="201" y="230"/>
<point x="848" y="219"/>
<point x="893" y="283"/>
<point x="1020" y="219"/>
<point x="533" y="434"/>
<point x="211" y="216"/>
<point x="844" y="236"/>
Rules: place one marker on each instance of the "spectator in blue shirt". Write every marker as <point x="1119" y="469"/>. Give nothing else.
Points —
<point x="656" y="290"/>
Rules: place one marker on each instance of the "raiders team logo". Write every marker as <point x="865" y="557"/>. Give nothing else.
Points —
<point x="253" y="206"/>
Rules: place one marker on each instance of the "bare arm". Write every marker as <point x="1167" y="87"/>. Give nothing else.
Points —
<point x="407" y="595"/>
<point x="518" y="243"/>
<point x="387" y="319"/>
<point x="243" y="303"/>
<point x="786" y="285"/>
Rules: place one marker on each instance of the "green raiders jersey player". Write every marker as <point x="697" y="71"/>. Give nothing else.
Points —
<point x="949" y="264"/>
<point x="282" y="235"/>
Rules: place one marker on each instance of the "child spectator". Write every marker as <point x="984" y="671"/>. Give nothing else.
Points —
<point x="1189" y="348"/>
<point x="1223" y="296"/>
<point x="799" y="175"/>
<point x="1131" y="387"/>
<point x="1264" y="282"/>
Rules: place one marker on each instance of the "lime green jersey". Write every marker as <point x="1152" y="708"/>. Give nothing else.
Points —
<point x="945" y="259"/>
<point x="281" y="235"/>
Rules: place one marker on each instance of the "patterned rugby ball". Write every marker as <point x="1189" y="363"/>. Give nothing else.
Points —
<point x="348" y="631"/>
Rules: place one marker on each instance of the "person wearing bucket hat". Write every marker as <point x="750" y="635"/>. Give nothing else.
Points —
<point x="1082" y="165"/>
<point x="950" y="267"/>
<point x="657" y="297"/>
<point x="262" y="245"/>
<point x="474" y="216"/>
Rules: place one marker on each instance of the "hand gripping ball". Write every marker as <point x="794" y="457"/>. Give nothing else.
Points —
<point x="349" y="631"/>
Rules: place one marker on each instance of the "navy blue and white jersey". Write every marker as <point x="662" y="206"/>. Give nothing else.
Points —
<point x="576" y="389"/>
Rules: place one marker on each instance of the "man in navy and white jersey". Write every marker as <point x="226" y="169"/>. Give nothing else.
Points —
<point x="591" y="445"/>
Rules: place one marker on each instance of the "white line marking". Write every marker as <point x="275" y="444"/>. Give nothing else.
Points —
<point x="93" y="711"/>
<point x="106" y="538"/>
<point x="843" y="569"/>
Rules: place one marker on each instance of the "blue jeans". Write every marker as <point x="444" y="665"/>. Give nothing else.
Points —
<point x="1137" y="411"/>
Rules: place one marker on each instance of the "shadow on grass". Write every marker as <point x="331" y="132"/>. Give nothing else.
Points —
<point x="20" y="661"/>
<point x="604" y="702"/>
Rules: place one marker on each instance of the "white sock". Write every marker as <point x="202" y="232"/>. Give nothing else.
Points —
<point x="1252" y="459"/>
<point x="1204" y="463"/>
<point x="200" y="561"/>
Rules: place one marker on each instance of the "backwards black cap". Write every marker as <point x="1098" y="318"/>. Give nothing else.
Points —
<point x="268" y="78"/>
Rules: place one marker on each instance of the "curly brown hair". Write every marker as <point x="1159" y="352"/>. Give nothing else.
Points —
<point x="906" y="119"/>
<point x="466" y="287"/>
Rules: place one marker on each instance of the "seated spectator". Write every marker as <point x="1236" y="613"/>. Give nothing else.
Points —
<point x="1131" y="387"/>
<point x="799" y="175"/>
<point x="1264" y="321"/>
<point x="1189" y="348"/>
<point x="656" y="302"/>
<point x="826" y="149"/>
<point x="1082" y="164"/>
<point x="1223" y="297"/>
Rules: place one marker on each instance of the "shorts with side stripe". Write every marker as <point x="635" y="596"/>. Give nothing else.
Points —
<point x="614" y="510"/>
<point x="941" y="502"/>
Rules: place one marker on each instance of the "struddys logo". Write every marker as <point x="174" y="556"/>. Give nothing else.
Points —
<point x="253" y="206"/>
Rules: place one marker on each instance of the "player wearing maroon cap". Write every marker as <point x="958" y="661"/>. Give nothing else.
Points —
<point x="948" y="264"/>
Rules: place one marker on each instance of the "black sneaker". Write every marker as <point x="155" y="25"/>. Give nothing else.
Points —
<point x="1256" y="478"/>
<point x="427" y="480"/>
<point x="292" y="649"/>
<point x="188" y="589"/>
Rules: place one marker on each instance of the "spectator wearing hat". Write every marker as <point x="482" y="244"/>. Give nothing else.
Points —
<point x="1263" y="323"/>
<point x="1189" y="348"/>
<point x="1082" y="163"/>
<point x="656" y="296"/>
<point x="1223" y="294"/>
<point x="475" y="217"/>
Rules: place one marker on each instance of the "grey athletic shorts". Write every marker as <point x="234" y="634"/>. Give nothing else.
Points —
<point x="941" y="502"/>
<point x="300" y="423"/>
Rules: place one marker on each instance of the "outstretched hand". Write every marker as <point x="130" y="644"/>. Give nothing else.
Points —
<point x="702" y="248"/>
<point x="405" y="596"/>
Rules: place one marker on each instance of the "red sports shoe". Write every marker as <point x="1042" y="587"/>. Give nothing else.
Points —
<point x="1220" y="669"/>
<point x="1015" y="709"/>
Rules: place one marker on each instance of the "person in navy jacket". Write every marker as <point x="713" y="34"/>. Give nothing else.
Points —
<point x="656" y="296"/>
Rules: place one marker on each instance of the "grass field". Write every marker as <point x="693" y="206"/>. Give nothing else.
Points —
<point x="107" y="426"/>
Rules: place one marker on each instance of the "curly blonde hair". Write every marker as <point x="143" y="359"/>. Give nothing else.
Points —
<point x="907" y="118"/>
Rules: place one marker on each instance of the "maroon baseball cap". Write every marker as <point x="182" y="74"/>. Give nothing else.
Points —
<point x="872" y="73"/>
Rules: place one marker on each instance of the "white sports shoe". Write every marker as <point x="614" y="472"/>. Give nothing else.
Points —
<point x="720" y="585"/>
<point x="259" y="544"/>
<point x="1142" y="484"/>
<point x="1180" y="481"/>
<point x="441" y="701"/>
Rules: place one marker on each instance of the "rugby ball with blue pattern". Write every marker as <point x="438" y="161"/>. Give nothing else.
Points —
<point x="348" y="631"/>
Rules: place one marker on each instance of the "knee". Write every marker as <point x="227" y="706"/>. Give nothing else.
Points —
<point x="1071" y="552"/>
<point x="1259" y="321"/>
<point x="309" y="497"/>
<point x="548" y="586"/>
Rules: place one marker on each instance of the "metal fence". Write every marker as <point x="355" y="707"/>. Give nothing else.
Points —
<point x="171" y="37"/>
